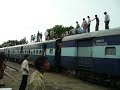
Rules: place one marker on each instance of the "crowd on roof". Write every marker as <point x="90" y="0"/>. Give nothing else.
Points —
<point x="84" y="28"/>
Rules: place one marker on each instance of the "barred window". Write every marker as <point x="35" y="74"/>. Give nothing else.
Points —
<point x="51" y="51"/>
<point x="31" y="51"/>
<point x="110" y="51"/>
<point x="40" y="51"/>
<point x="36" y="51"/>
<point x="25" y="51"/>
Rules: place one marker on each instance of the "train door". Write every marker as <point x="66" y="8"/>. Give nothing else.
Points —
<point x="21" y="54"/>
<point x="58" y="55"/>
<point x="44" y="49"/>
<point x="84" y="54"/>
<point x="8" y="54"/>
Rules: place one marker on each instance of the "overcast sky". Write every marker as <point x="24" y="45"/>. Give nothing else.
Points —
<point x="22" y="18"/>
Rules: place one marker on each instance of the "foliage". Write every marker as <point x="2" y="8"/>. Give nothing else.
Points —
<point x="13" y="43"/>
<point x="59" y="29"/>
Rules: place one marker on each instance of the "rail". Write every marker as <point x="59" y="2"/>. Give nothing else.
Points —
<point x="10" y="76"/>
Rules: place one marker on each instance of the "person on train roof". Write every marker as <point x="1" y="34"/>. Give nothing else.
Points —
<point x="107" y="20"/>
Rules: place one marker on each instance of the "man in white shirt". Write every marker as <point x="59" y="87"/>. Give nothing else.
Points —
<point x="107" y="20"/>
<point x="51" y="34"/>
<point x="25" y="72"/>
<point x="46" y="35"/>
<point x="66" y="33"/>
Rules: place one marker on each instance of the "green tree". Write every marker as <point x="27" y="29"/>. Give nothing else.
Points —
<point x="14" y="42"/>
<point x="59" y="29"/>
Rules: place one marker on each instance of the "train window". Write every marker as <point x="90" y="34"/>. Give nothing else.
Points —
<point x="51" y="51"/>
<point x="21" y="49"/>
<point x="29" y="51"/>
<point x="36" y="51"/>
<point x="40" y="51"/>
<point x="110" y="51"/>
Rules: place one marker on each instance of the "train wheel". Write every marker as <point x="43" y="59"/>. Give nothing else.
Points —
<point x="76" y="72"/>
<point x="113" y="83"/>
<point x="82" y="75"/>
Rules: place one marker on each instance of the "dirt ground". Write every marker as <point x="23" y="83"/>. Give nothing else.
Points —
<point x="53" y="81"/>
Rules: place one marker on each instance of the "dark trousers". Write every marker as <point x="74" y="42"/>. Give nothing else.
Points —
<point x="24" y="82"/>
<point x="88" y="27"/>
<point x="107" y="25"/>
<point x="97" y="27"/>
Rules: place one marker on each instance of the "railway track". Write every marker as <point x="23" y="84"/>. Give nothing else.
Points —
<point x="12" y="67"/>
<point x="57" y="81"/>
<point x="11" y="76"/>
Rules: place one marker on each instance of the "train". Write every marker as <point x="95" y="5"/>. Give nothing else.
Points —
<point x="93" y="56"/>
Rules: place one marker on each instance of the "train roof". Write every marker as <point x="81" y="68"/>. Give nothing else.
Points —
<point x="47" y="41"/>
<point x="115" y="31"/>
<point x="22" y="45"/>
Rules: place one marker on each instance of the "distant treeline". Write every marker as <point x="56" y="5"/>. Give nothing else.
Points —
<point x="14" y="42"/>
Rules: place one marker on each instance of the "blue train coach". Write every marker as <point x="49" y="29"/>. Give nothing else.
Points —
<point x="93" y="55"/>
<point x="50" y="49"/>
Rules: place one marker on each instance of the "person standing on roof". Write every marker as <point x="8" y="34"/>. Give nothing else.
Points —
<point x="89" y="21"/>
<point x="41" y="37"/>
<point x="107" y="20"/>
<point x="46" y="35"/>
<point x="77" y="27"/>
<point x="51" y="34"/>
<point x="38" y="37"/>
<point x="97" y="23"/>
<point x="84" y="25"/>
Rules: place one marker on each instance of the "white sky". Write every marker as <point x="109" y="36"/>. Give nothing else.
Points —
<point x="22" y="18"/>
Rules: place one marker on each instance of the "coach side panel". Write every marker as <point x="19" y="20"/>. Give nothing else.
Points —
<point x="69" y="54"/>
<point x="106" y="55"/>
